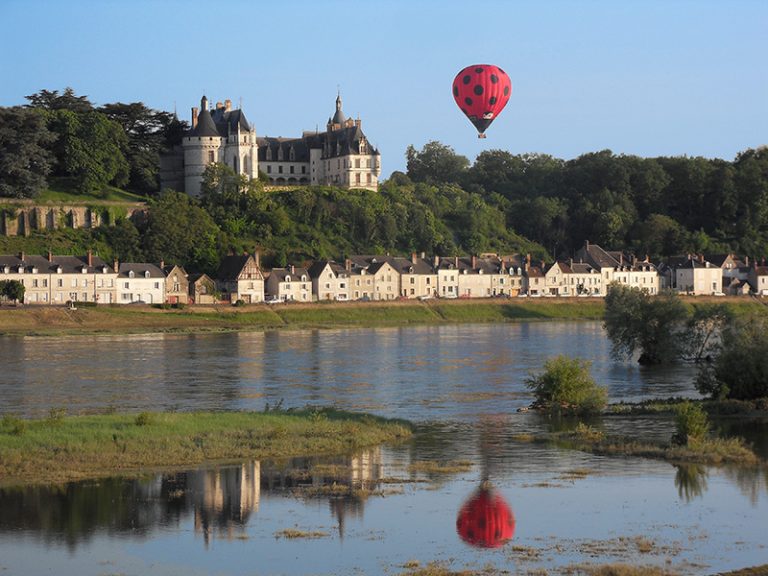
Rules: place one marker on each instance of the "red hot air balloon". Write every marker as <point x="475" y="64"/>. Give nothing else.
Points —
<point x="486" y="520"/>
<point x="482" y="91"/>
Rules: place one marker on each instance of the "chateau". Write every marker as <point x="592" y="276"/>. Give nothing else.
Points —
<point x="340" y="156"/>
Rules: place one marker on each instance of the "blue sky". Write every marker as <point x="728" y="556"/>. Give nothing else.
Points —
<point x="651" y="78"/>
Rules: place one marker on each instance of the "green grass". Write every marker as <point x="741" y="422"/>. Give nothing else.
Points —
<point x="368" y="314"/>
<point x="63" y="190"/>
<point x="510" y="310"/>
<point x="57" y="448"/>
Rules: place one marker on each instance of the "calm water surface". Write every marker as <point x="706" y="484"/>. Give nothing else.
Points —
<point x="463" y="385"/>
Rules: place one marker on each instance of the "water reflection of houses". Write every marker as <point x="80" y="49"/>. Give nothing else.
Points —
<point x="346" y="481"/>
<point x="223" y="499"/>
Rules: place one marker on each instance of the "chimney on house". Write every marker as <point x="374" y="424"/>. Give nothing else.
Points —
<point x="257" y="257"/>
<point x="90" y="258"/>
<point x="21" y="256"/>
<point x="436" y="261"/>
<point x="116" y="265"/>
<point x="413" y="257"/>
<point x="293" y="269"/>
<point x="423" y="255"/>
<point x="456" y="262"/>
<point x="634" y="260"/>
<point x="474" y="262"/>
<point x="227" y="105"/>
<point x="194" y="117"/>
<point x="570" y="263"/>
<point x="162" y="264"/>
<point x="348" y="265"/>
<point x="701" y="258"/>
<point x="50" y="256"/>
<point x="746" y="261"/>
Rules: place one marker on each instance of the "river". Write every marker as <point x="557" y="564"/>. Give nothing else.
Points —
<point x="462" y="384"/>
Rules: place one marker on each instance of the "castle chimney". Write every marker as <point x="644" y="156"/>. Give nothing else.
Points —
<point x="194" y="117"/>
<point x="219" y="105"/>
<point x="203" y="103"/>
<point x="90" y="258"/>
<point x="227" y="105"/>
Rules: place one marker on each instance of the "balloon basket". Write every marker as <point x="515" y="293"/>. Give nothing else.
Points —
<point x="481" y="135"/>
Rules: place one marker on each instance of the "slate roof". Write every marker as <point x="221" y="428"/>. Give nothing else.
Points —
<point x="280" y="274"/>
<point x="219" y="122"/>
<point x="231" y="266"/>
<point x="139" y="269"/>
<point x="300" y="149"/>
<point x="68" y="264"/>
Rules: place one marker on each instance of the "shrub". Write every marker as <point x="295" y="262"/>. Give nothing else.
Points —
<point x="144" y="419"/>
<point x="566" y="384"/>
<point x="239" y="303"/>
<point x="740" y="371"/>
<point x="691" y="423"/>
<point x="13" y="425"/>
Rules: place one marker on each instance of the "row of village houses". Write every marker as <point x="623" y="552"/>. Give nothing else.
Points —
<point x="60" y="279"/>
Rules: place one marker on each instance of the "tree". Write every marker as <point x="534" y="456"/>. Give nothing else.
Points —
<point x="651" y="325"/>
<point x="12" y="290"/>
<point x="179" y="231"/>
<point x="435" y="163"/>
<point x="52" y="100"/>
<point x="24" y="158"/>
<point x="566" y="384"/>
<point x="740" y="370"/>
<point x="146" y="133"/>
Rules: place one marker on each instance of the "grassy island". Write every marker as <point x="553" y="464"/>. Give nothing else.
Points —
<point x="58" y="448"/>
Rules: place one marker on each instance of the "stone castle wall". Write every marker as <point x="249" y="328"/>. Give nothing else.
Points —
<point x="22" y="220"/>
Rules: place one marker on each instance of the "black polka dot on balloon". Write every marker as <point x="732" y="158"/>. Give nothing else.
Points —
<point x="492" y="100"/>
<point x="494" y="79"/>
<point x="478" y="90"/>
<point x="479" y="70"/>
<point x="506" y="90"/>
<point x="468" y="101"/>
<point x="455" y="90"/>
<point x="466" y="79"/>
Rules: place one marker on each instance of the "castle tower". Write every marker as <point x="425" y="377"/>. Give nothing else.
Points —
<point x="202" y="146"/>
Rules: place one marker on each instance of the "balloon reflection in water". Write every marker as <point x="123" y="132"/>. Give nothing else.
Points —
<point x="486" y="520"/>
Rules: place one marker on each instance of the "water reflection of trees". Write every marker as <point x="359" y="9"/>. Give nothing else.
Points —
<point x="691" y="480"/>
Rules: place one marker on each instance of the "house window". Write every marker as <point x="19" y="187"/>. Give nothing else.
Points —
<point x="413" y="280"/>
<point x="157" y="285"/>
<point x="60" y="283"/>
<point x="126" y="285"/>
<point x="34" y="283"/>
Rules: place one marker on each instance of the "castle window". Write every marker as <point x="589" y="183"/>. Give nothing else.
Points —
<point x="245" y="164"/>
<point x="369" y="178"/>
<point x="291" y="154"/>
<point x="210" y="156"/>
<point x="269" y="169"/>
<point x="357" y="178"/>
<point x="291" y="169"/>
<point x="280" y="153"/>
<point x="303" y="169"/>
<point x="280" y="169"/>
<point x="357" y="162"/>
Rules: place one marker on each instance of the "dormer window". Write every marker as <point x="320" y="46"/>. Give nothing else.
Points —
<point x="303" y="278"/>
<point x="103" y="269"/>
<point x="287" y="278"/>
<point x="131" y="274"/>
<point x="58" y="269"/>
<point x="6" y="269"/>
<point x="84" y="269"/>
<point x="280" y="154"/>
<point x="269" y="153"/>
<point x="34" y="269"/>
<point x="291" y="154"/>
<point x="21" y="269"/>
<point x="146" y="274"/>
